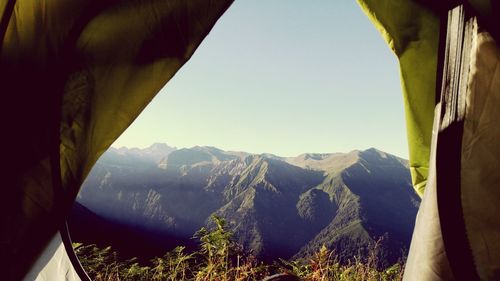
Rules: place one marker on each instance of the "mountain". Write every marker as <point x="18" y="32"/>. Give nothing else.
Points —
<point x="89" y="228"/>
<point x="276" y="206"/>
<point x="149" y="156"/>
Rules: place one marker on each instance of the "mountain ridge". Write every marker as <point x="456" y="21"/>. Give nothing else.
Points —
<point x="342" y="200"/>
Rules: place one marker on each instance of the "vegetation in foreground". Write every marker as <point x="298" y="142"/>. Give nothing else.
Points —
<point x="219" y="258"/>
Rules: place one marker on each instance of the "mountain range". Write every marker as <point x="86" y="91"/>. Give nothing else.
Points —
<point x="278" y="207"/>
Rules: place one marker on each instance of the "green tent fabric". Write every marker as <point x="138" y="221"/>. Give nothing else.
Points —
<point x="412" y="32"/>
<point x="457" y="229"/>
<point x="412" y="29"/>
<point x="74" y="75"/>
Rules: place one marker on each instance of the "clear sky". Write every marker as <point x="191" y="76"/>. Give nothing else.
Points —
<point x="284" y="77"/>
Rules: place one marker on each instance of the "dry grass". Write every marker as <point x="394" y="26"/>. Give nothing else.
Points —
<point x="220" y="259"/>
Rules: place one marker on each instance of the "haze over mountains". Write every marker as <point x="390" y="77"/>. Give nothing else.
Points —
<point x="276" y="206"/>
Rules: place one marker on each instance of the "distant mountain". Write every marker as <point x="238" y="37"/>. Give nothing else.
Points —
<point x="276" y="206"/>
<point x="149" y="156"/>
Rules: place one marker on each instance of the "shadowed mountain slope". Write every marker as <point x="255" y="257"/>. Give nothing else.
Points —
<point x="276" y="206"/>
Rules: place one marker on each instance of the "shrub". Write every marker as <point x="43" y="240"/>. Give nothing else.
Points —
<point x="220" y="258"/>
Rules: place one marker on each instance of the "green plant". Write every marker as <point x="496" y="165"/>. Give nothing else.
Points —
<point x="220" y="258"/>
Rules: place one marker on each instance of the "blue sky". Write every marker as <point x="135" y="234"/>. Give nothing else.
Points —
<point x="284" y="77"/>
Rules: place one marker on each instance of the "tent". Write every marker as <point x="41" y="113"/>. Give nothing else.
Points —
<point x="75" y="74"/>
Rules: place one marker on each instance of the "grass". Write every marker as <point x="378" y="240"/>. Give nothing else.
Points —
<point x="219" y="258"/>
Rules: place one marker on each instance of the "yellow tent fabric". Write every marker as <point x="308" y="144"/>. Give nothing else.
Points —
<point x="412" y="31"/>
<point x="411" y="28"/>
<point x="456" y="234"/>
<point x="74" y="75"/>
